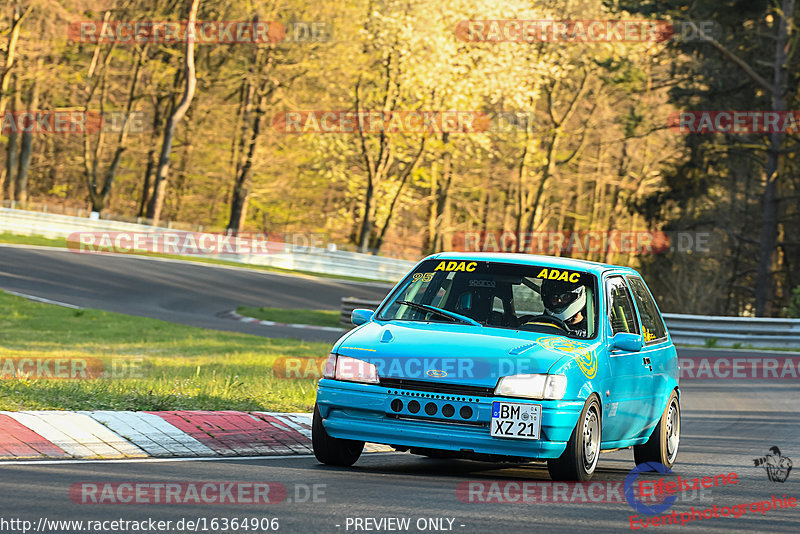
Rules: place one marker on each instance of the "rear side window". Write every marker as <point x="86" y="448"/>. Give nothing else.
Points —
<point x="652" y="324"/>
<point x="620" y="307"/>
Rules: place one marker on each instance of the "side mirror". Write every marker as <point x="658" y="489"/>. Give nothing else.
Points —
<point x="627" y="342"/>
<point x="361" y="316"/>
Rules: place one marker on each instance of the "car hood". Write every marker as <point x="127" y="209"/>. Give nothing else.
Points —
<point x="456" y="353"/>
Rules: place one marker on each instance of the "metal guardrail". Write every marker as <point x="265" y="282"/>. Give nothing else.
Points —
<point x="733" y="331"/>
<point x="688" y="329"/>
<point x="294" y="257"/>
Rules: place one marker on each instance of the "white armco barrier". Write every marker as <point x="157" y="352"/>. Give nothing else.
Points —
<point x="284" y="256"/>
<point x="727" y="331"/>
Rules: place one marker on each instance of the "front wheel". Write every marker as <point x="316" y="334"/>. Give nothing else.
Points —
<point x="662" y="447"/>
<point x="579" y="459"/>
<point x="330" y="450"/>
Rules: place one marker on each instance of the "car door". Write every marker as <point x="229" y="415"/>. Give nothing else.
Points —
<point x="657" y="347"/>
<point x="627" y="406"/>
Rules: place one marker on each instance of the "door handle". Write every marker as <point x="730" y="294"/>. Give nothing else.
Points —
<point x="646" y="361"/>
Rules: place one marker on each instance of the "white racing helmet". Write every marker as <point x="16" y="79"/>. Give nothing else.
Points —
<point x="563" y="300"/>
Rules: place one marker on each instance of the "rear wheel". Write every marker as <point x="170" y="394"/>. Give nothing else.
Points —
<point x="579" y="459"/>
<point x="662" y="447"/>
<point x="330" y="450"/>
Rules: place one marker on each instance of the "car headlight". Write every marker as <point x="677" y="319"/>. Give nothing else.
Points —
<point x="350" y="369"/>
<point x="550" y="387"/>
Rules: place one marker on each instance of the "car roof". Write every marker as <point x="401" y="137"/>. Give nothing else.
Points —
<point x="533" y="259"/>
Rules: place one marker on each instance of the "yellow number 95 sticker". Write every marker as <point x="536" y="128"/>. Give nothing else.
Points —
<point x="425" y="277"/>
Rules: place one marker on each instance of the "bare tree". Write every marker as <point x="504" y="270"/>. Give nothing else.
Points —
<point x="5" y="78"/>
<point x="26" y="143"/>
<point x="160" y="186"/>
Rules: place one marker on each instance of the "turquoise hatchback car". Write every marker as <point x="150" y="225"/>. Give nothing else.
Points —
<point x="506" y="357"/>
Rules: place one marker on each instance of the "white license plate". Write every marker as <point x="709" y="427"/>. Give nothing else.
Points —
<point x="516" y="420"/>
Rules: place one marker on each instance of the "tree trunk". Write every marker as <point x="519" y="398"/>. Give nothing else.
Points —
<point x="442" y="204"/>
<point x="13" y="38"/>
<point x="522" y="184"/>
<point x="440" y="189"/>
<point x="151" y="158"/>
<point x="409" y="168"/>
<point x="241" y="189"/>
<point x="8" y="172"/>
<point x="769" y="225"/>
<point x="534" y="205"/>
<point x="255" y="86"/>
<point x="26" y="149"/>
<point x="366" y="220"/>
<point x="12" y="152"/>
<point x="376" y="169"/>
<point x="99" y="197"/>
<point x="159" y="188"/>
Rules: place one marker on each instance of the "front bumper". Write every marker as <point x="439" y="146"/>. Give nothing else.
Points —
<point x="365" y="412"/>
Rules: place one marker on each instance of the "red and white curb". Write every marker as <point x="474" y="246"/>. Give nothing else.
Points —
<point x="244" y="319"/>
<point x="177" y="434"/>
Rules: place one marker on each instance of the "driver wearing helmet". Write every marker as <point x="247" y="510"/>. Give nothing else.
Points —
<point x="566" y="301"/>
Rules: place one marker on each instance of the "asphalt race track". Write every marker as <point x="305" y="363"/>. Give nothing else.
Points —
<point x="725" y="426"/>
<point x="178" y="291"/>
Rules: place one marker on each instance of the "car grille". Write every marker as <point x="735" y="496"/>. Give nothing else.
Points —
<point x="436" y="420"/>
<point x="437" y="387"/>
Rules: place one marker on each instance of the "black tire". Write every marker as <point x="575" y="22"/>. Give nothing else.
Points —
<point x="662" y="447"/>
<point x="579" y="460"/>
<point x="330" y="450"/>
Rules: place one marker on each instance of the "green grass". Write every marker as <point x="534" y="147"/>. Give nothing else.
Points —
<point x="62" y="243"/>
<point x="183" y="367"/>
<point x="15" y="239"/>
<point x="281" y="315"/>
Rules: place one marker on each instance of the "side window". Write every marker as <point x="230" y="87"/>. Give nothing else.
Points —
<point x="652" y="324"/>
<point x="526" y="300"/>
<point x="620" y="307"/>
<point x="497" y="305"/>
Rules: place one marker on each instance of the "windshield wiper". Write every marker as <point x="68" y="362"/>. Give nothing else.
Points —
<point x="440" y="311"/>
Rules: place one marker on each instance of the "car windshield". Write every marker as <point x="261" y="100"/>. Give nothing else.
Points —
<point x="500" y="295"/>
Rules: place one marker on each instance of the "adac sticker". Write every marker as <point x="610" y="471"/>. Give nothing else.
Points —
<point x="557" y="274"/>
<point x="466" y="266"/>
<point x="585" y="355"/>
